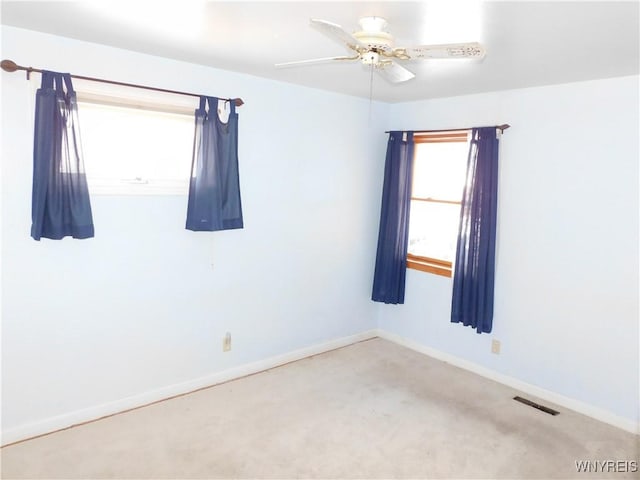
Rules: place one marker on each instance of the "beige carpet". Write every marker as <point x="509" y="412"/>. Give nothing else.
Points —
<point x="370" y="410"/>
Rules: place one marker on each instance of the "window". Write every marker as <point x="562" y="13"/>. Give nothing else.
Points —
<point x="130" y="148"/>
<point x="439" y="171"/>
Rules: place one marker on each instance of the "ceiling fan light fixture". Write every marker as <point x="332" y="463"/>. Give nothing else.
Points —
<point x="372" y="24"/>
<point x="372" y="34"/>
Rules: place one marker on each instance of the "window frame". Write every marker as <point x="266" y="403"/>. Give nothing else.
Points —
<point x="418" y="262"/>
<point x="152" y="103"/>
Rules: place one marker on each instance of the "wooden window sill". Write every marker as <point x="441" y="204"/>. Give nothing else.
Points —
<point x="428" y="266"/>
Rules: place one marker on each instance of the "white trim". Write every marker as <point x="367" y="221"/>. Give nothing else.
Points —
<point x="136" y="103"/>
<point x="570" y="403"/>
<point x="67" y="420"/>
<point x="70" y="419"/>
<point x="88" y="91"/>
<point x="101" y="186"/>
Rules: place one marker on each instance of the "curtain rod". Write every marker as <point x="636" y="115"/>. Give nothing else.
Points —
<point x="502" y="128"/>
<point x="11" y="66"/>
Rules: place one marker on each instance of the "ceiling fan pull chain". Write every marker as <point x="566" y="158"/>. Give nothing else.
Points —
<point x="370" y="91"/>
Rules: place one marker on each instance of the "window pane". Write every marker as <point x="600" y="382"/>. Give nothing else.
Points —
<point x="433" y="229"/>
<point x="439" y="170"/>
<point x="123" y="144"/>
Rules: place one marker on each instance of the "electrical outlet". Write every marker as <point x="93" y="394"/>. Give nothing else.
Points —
<point x="495" y="347"/>
<point x="226" y="342"/>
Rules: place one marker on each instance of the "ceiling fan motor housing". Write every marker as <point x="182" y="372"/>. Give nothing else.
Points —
<point x="373" y="39"/>
<point x="380" y="40"/>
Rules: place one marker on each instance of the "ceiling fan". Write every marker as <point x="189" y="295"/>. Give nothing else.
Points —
<point x="374" y="47"/>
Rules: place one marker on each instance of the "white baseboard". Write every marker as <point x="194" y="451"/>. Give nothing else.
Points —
<point x="570" y="403"/>
<point x="67" y="420"/>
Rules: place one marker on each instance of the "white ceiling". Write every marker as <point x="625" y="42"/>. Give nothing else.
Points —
<point x="528" y="43"/>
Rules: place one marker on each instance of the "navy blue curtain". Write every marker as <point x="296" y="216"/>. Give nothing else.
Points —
<point x="393" y="236"/>
<point x="214" y="189"/>
<point x="60" y="203"/>
<point x="474" y="271"/>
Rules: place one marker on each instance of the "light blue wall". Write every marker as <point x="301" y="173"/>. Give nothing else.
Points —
<point x="566" y="302"/>
<point x="140" y="306"/>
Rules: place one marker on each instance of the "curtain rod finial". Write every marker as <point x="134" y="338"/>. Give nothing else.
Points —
<point x="239" y="102"/>
<point x="9" y="65"/>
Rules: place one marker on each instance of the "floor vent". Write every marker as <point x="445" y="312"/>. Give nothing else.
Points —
<point x="548" y="410"/>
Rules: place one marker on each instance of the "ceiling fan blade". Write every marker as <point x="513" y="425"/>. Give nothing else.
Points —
<point x="314" y="61"/>
<point x="393" y="72"/>
<point x="449" y="50"/>
<point x="336" y="32"/>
